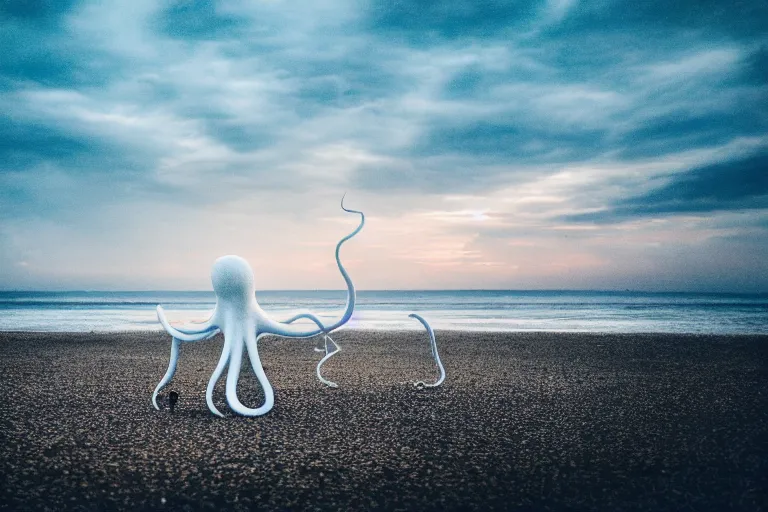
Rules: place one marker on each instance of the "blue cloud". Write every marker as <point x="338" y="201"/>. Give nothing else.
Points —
<point x="341" y="81"/>
<point x="428" y="176"/>
<point x="740" y="184"/>
<point x="55" y="171"/>
<point x="25" y="144"/>
<point x="198" y="20"/>
<point x="38" y="47"/>
<point x="43" y="13"/>
<point x="425" y="22"/>
<point x="511" y="141"/>
<point x="238" y="135"/>
<point x="756" y="68"/>
<point x="668" y="133"/>
<point x="656" y="17"/>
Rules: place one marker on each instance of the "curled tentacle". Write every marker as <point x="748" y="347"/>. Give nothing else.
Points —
<point x="279" y="329"/>
<point x="328" y="355"/>
<point x="251" y="341"/>
<point x="208" y="331"/>
<point x="435" y="355"/>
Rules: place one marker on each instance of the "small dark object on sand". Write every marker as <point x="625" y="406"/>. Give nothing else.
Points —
<point x="173" y="397"/>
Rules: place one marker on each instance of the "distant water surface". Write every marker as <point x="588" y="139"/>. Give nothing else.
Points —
<point x="465" y="310"/>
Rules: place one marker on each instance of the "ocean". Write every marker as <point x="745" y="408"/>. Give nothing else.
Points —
<point x="477" y="310"/>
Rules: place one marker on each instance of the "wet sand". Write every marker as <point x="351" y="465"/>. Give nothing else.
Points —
<point x="528" y="421"/>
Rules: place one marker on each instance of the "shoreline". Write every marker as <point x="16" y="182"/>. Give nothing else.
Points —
<point x="397" y="332"/>
<point x="524" y="420"/>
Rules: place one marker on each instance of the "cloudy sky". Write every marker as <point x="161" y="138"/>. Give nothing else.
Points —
<point x="534" y="144"/>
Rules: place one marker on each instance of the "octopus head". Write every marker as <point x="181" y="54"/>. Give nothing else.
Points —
<point x="232" y="278"/>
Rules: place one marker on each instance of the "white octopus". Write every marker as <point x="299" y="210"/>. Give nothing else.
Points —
<point x="238" y="315"/>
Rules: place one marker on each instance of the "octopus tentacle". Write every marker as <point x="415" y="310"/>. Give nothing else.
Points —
<point x="216" y="375"/>
<point x="299" y="316"/>
<point x="233" y="372"/>
<point x="193" y="328"/>
<point x="251" y="341"/>
<point x="273" y="327"/>
<point x="435" y="355"/>
<point x="197" y="335"/>
<point x="169" y="372"/>
<point x="326" y="338"/>
<point x="252" y="344"/>
<point x="328" y="355"/>
<point x="306" y="314"/>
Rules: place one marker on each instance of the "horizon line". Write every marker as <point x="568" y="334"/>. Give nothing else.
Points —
<point x="557" y="290"/>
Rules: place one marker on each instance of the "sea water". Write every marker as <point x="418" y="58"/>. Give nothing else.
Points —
<point x="478" y="310"/>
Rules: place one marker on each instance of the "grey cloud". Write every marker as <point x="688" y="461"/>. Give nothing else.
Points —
<point x="668" y="133"/>
<point x="733" y="185"/>
<point x="326" y="74"/>
<point x="433" y="176"/>
<point x="511" y="141"/>
<point x="239" y="135"/>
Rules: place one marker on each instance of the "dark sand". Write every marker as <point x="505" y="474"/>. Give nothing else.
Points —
<point x="532" y="421"/>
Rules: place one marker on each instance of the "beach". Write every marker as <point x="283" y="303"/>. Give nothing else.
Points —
<point x="547" y="421"/>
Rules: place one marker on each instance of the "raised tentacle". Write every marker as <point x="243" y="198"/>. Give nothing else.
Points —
<point x="270" y="326"/>
<point x="208" y="332"/>
<point x="216" y="375"/>
<point x="433" y="346"/>
<point x="251" y="340"/>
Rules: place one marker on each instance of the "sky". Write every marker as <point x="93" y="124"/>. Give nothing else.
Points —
<point x="534" y="144"/>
